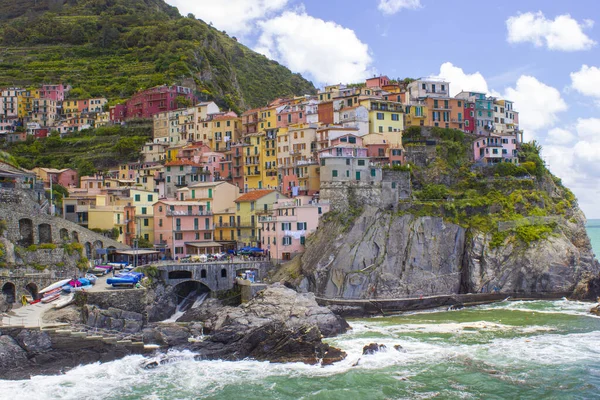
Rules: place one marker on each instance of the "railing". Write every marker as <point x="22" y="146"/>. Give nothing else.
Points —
<point x="184" y="213"/>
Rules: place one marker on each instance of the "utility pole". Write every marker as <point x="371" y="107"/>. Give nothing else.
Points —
<point x="51" y="197"/>
<point x="135" y="248"/>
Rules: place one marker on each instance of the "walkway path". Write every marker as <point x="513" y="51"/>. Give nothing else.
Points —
<point x="29" y="316"/>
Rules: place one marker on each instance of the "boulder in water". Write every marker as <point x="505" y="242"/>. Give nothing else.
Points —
<point x="596" y="310"/>
<point x="373" y="348"/>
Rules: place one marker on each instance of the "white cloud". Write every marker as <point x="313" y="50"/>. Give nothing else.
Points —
<point x="459" y="80"/>
<point x="563" y="33"/>
<point x="233" y="16"/>
<point x="326" y="51"/>
<point x="587" y="81"/>
<point x="537" y="103"/>
<point x="560" y="136"/>
<point x="577" y="162"/>
<point x="390" y="7"/>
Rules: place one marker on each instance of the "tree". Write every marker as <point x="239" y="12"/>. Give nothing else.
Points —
<point x="144" y="243"/>
<point x="85" y="168"/>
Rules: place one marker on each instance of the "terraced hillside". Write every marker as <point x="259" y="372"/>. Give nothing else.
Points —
<point x="113" y="48"/>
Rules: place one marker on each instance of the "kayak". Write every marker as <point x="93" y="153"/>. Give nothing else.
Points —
<point x="55" y="285"/>
<point x="65" y="301"/>
<point x="50" y="298"/>
<point x="126" y="280"/>
<point x="135" y="275"/>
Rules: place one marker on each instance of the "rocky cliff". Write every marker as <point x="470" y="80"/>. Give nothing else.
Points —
<point x="387" y="255"/>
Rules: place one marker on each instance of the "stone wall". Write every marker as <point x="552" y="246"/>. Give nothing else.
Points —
<point x="213" y="276"/>
<point x="419" y="155"/>
<point x="133" y="300"/>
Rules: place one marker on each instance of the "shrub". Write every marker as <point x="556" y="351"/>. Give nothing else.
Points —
<point x="47" y="246"/>
<point x="433" y="192"/>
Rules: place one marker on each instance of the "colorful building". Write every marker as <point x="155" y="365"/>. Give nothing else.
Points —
<point x="248" y="207"/>
<point x="285" y="229"/>
<point x="184" y="228"/>
<point x="158" y="99"/>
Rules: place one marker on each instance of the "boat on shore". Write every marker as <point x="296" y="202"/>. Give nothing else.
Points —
<point x="65" y="301"/>
<point x="55" y="285"/>
<point x="51" y="298"/>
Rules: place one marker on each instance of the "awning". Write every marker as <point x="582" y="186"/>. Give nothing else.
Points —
<point x="203" y="245"/>
<point x="136" y="252"/>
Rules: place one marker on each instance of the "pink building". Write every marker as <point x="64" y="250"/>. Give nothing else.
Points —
<point x="158" y="99"/>
<point x="291" y="114"/>
<point x="54" y="92"/>
<point x="184" y="228"/>
<point x="284" y="232"/>
<point x="495" y="148"/>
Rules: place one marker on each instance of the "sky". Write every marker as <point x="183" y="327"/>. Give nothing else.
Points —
<point x="543" y="55"/>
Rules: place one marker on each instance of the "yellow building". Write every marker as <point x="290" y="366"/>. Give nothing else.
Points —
<point x="252" y="163"/>
<point x="248" y="206"/>
<point x="268" y="158"/>
<point x="70" y="108"/>
<point x="143" y="202"/>
<point x="225" y="229"/>
<point x="415" y="115"/>
<point x="225" y="130"/>
<point x="106" y="218"/>
<point x="25" y="101"/>
<point x="386" y="118"/>
<point x="267" y="118"/>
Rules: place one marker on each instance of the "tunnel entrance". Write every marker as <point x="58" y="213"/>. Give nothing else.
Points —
<point x="10" y="292"/>
<point x="33" y="290"/>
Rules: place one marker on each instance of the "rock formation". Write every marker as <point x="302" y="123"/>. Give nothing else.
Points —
<point x="386" y="255"/>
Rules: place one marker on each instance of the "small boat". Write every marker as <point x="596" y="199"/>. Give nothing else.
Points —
<point x="92" y="278"/>
<point x="118" y="265"/>
<point x="50" y="298"/>
<point x="55" y="285"/>
<point x="72" y="289"/>
<point x="53" y="292"/>
<point x="65" y="301"/>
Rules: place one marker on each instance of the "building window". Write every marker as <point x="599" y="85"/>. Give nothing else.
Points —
<point x="207" y="235"/>
<point x="286" y="226"/>
<point x="380" y="116"/>
<point x="361" y="163"/>
<point x="334" y="173"/>
<point x="351" y="139"/>
<point x="179" y="236"/>
<point x="287" y="240"/>
<point x="302" y="240"/>
<point x="301" y="226"/>
<point x="373" y="172"/>
<point x="178" y="250"/>
<point x="395" y="117"/>
<point x="137" y="197"/>
<point x="145" y="221"/>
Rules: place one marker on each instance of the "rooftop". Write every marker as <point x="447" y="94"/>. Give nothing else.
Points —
<point x="254" y="195"/>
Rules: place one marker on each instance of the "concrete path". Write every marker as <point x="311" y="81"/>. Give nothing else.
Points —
<point x="29" y="316"/>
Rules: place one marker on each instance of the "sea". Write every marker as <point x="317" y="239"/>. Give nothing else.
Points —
<point x="506" y="350"/>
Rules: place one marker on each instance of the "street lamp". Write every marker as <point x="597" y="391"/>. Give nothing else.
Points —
<point x="135" y="247"/>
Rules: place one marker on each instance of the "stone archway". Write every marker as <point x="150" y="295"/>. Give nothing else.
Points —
<point x="75" y="237"/>
<point x="44" y="233"/>
<point x="64" y="235"/>
<point x="25" y="232"/>
<point x="9" y="291"/>
<point x="184" y="289"/>
<point x="33" y="290"/>
<point x="180" y="275"/>
<point x="97" y="245"/>
<point x="88" y="250"/>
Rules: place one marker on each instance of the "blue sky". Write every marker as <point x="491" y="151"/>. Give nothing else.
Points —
<point x="544" y="55"/>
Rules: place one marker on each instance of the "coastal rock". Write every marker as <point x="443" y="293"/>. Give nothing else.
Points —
<point x="373" y="348"/>
<point x="114" y="319"/>
<point x="34" y="341"/>
<point x="11" y="354"/>
<point x="596" y="310"/>
<point x="67" y="315"/>
<point x="385" y="256"/>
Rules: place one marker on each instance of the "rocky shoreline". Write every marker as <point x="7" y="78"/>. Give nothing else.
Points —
<point x="279" y="325"/>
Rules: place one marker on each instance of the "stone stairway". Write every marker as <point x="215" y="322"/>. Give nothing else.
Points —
<point x="64" y="338"/>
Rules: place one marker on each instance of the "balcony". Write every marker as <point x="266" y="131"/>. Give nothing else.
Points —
<point x="457" y="121"/>
<point x="294" y="152"/>
<point x="442" y="107"/>
<point x="246" y="224"/>
<point x="256" y="172"/>
<point x="184" y="213"/>
<point x="181" y="183"/>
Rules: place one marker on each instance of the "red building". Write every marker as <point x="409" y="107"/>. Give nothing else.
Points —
<point x="378" y="82"/>
<point x="325" y="111"/>
<point x="250" y="121"/>
<point x="469" y="118"/>
<point x="158" y="99"/>
<point x="118" y="113"/>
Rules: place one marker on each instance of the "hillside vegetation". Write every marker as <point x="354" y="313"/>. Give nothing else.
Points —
<point x="87" y="151"/>
<point x="114" y="48"/>
<point x="525" y="199"/>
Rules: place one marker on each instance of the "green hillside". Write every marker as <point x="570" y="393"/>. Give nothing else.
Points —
<point x="114" y="48"/>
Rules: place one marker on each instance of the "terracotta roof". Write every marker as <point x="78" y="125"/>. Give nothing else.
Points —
<point x="254" y="195"/>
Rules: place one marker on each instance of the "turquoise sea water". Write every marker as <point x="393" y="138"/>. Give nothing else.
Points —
<point x="593" y="230"/>
<point x="507" y="350"/>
